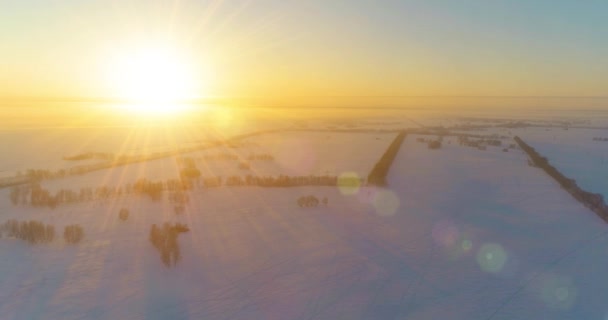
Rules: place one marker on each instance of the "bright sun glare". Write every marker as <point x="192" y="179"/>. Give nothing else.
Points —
<point x="154" y="80"/>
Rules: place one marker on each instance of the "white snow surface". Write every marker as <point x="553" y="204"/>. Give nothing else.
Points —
<point x="458" y="234"/>
<point x="294" y="153"/>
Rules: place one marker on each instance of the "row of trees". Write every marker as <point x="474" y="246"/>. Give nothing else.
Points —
<point x="478" y="143"/>
<point x="38" y="196"/>
<point x="73" y="233"/>
<point x="177" y="189"/>
<point x="43" y="174"/>
<point x="228" y="157"/>
<point x="380" y="170"/>
<point x="593" y="201"/>
<point x="90" y="155"/>
<point x="36" y="232"/>
<point x="164" y="239"/>
<point x="282" y="181"/>
<point x="432" y="143"/>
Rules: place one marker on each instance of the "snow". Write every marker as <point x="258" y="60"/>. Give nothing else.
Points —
<point x="458" y="205"/>
<point x="294" y="153"/>
<point x="459" y="233"/>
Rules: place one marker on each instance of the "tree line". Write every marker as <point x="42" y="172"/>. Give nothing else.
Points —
<point x="378" y="174"/>
<point x="593" y="201"/>
<point x="479" y="143"/>
<point x="36" y="195"/>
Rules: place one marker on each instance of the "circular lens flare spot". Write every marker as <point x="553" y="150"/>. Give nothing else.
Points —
<point x="491" y="258"/>
<point x="386" y="203"/>
<point x="558" y="292"/>
<point x="349" y="183"/>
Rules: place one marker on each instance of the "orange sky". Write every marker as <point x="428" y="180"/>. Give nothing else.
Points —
<point x="288" y="52"/>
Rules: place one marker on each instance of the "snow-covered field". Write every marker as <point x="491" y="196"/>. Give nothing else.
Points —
<point x="495" y="238"/>
<point x="459" y="233"/>
<point x="292" y="153"/>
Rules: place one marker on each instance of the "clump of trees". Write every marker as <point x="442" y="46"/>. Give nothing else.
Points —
<point x="34" y="232"/>
<point x="153" y="189"/>
<point x="308" y="201"/>
<point x="434" y="144"/>
<point x="123" y="214"/>
<point x="190" y="173"/>
<point x="311" y="201"/>
<point x="189" y="169"/>
<point x="164" y="239"/>
<point x="179" y="209"/>
<point x="480" y="144"/>
<point x="73" y="234"/>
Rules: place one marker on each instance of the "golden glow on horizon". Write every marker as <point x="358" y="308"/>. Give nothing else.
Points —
<point x="155" y="80"/>
<point x="154" y="108"/>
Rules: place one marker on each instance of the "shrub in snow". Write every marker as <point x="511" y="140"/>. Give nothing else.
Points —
<point x="124" y="214"/>
<point x="73" y="233"/>
<point x="308" y="201"/>
<point x="164" y="239"/>
<point x="435" y="144"/>
<point x="179" y="209"/>
<point x="190" y="172"/>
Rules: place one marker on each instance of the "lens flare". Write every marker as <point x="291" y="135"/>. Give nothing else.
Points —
<point x="349" y="183"/>
<point x="386" y="203"/>
<point x="491" y="258"/>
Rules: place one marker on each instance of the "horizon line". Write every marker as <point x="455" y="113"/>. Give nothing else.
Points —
<point x="217" y="98"/>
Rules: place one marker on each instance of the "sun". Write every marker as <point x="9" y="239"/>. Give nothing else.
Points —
<point x="154" y="79"/>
